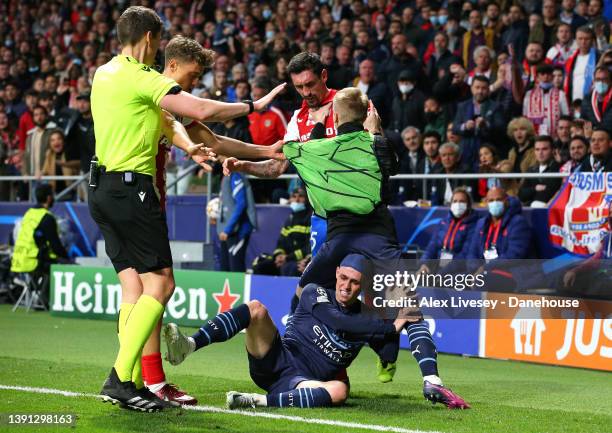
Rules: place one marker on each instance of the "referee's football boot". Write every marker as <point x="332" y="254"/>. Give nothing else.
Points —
<point x="146" y="393"/>
<point x="440" y="394"/>
<point x="128" y="397"/>
<point x="178" y="344"/>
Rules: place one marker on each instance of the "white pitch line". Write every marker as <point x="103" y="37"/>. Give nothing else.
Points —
<point x="372" y="427"/>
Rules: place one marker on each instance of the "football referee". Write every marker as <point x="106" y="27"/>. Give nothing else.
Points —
<point x="127" y="101"/>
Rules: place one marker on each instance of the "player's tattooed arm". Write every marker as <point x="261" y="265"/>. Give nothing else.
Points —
<point x="269" y="169"/>
<point x="222" y="145"/>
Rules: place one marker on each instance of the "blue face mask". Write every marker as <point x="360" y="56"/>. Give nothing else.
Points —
<point x="270" y="34"/>
<point x="297" y="207"/>
<point x="496" y="208"/>
<point x="267" y="13"/>
<point x="434" y="20"/>
<point x="442" y="19"/>
<point x="546" y="86"/>
<point x="601" y="87"/>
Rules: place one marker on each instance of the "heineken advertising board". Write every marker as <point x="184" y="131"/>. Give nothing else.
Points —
<point x="95" y="293"/>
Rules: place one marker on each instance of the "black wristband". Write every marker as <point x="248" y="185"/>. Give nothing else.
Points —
<point x="250" y="104"/>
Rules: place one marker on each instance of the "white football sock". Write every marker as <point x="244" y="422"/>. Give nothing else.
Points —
<point x="155" y="387"/>
<point x="433" y="379"/>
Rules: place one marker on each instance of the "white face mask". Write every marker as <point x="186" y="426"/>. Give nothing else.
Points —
<point x="458" y="209"/>
<point x="406" y="88"/>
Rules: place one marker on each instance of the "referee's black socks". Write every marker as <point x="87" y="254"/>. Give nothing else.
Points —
<point x="223" y="326"/>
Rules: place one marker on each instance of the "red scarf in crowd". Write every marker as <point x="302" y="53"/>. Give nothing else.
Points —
<point x="536" y="112"/>
<point x="595" y="104"/>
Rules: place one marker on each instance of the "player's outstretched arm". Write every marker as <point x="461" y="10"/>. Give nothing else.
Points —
<point x="176" y="133"/>
<point x="269" y="169"/>
<point x="227" y="146"/>
<point x="209" y="110"/>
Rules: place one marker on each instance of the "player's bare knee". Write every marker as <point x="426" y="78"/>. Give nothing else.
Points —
<point x="258" y="310"/>
<point x="338" y="392"/>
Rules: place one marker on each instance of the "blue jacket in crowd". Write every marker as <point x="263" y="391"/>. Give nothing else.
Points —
<point x="514" y="238"/>
<point x="459" y="246"/>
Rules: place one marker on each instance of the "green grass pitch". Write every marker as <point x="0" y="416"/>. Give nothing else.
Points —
<point x="38" y="350"/>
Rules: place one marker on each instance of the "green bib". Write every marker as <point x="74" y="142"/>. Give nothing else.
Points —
<point x="25" y="256"/>
<point x="340" y="173"/>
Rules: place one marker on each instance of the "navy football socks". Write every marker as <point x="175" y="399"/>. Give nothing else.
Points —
<point x="423" y="348"/>
<point x="223" y="326"/>
<point x="300" y="397"/>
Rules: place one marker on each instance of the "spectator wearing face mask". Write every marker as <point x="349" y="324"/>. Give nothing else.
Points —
<point x="596" y="107"/>
<point x="543" y="104"/>
<point x="452" y="237"/>
<point x="293" y="247"/>
<point x="408" y="105"/>
<point x="538" y="192"/>
<point x="503" y="233"/>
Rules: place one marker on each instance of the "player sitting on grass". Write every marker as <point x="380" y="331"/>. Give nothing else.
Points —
<point x="297" y="370"/>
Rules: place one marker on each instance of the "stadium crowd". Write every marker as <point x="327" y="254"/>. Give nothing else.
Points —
<point x="462" y="87"/>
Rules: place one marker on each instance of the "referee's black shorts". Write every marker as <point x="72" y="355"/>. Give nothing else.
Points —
<point x="132" y="222"/>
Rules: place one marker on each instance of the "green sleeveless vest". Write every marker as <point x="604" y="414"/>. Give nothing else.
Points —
<point x="25" y="256"/>
<point x="340" y="173"/>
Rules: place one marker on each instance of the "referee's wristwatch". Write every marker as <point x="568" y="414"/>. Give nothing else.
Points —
<point x="250" y="104"/>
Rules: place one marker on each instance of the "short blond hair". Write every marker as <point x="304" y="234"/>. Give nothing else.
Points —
<point x="351" y="105"/>
<point x="521" y="122"/>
